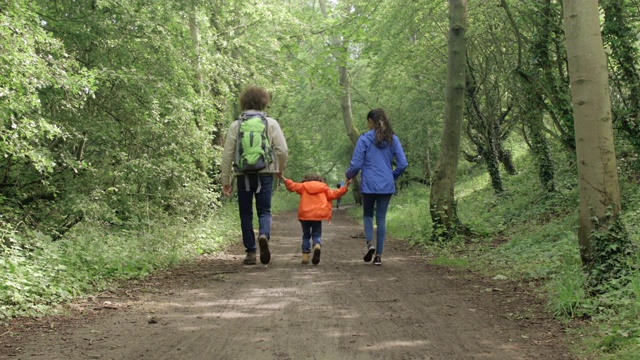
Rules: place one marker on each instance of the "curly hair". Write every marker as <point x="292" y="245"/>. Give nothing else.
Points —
<point x="254" y="98"/>
<point x="384" y="132"/>
<point x="313" y="177"/>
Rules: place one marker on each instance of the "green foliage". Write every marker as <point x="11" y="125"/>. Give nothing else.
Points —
<point x="35" y="66"/>
<point x="450" y="262"/>
<point x="36" y="275"/>
<point x="612" y="255"/>
<point x="113" y="114"/>
<point x="529" y="234"/>
<point x="408" y="215"/>
<point x="568" y="297"/>
<point x="283" y="200"/>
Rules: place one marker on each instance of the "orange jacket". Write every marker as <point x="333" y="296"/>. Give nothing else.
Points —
<point x="315" y="199"/>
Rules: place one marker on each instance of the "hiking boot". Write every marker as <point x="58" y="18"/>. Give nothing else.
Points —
<point x="369" y="250"/>
<point x="265" y="255"/>
<point x="250" y="259"/>
<point x="316" y="254"/>
<point x="377" y="260"/>
<point x="305" y="258"/>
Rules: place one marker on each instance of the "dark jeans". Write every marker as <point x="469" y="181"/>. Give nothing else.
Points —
<point x="311" y="229"/>
<point x="378" y="203"/>
<point x="260" y="186"/>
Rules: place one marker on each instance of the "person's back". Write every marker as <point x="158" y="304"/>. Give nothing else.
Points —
<point x="374" y="155"/>
<point x="378" y="174"/>
<point x="315" y="198"/>
<point x="258" y="183"/>
<point x="314" y="206"/>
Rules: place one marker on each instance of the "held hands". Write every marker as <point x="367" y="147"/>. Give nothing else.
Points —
<point x="226" y="190"/>
<point x="281" y="176"/>
<point x="348" y="182"/>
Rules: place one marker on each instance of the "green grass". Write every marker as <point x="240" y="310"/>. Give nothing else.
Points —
<point x="530" y="235"/>
<point x="450" y="262"/>
<point x="524" y="234"/>
<point x="36" y="274"/>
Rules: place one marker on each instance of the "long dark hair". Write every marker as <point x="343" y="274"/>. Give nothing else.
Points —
<point x="384" y="132"/>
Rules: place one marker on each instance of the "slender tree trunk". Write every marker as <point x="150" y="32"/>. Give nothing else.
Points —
<point x="345" y="99"/>
<point x="442" y="202"/>
<point x="539" y="146"/>
<point x="506" y="159"/>
<point x="601" y="234"/>
<point x="347" y="118"/>
<point x="533" y="104"/>
<point x="345" y="104"/>
<point x="556" y="86"/>
<point x="427" y="160"/>
<point x="490" y="155"/>
<point x="199" y="116"/>
<point x="504" y="155"/>
<point x="621" y="38"/>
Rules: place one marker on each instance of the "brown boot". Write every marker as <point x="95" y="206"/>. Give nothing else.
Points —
<point x="305" y="258"/>
<point x="316" y="254"/>
<point x="250" y="258"/>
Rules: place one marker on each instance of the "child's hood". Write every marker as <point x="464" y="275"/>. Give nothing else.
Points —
<point x="315" y="187"/>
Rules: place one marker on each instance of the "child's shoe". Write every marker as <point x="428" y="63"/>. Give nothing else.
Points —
<point x="369" y="250"/>
<point x="305" y="258"/>
<point x="316" y="254"/>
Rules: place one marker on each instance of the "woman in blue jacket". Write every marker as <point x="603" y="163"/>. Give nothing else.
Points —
<point x="374" y="154"/>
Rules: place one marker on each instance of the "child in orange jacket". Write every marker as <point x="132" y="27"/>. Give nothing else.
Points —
<point x="315" y="206"/>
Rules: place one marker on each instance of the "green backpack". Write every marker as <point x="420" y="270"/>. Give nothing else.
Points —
<point x="253" y="151"/>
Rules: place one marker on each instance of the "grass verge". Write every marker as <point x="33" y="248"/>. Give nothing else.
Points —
<point x="530" y="235"/>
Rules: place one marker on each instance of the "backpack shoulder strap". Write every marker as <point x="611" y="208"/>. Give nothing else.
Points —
<point x="271" y="156"/>
<point x="238" y="142"/>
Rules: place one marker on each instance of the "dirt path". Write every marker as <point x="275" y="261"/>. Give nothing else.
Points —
<point x="340" y="309"/>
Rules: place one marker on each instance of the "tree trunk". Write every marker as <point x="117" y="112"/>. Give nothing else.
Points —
<point x="347" y="118"/>
<point x="427" y="160"/>
<point x="345" y="103"/>
<point x="549" y="90"/>
<point x="442" y="203"/>
<point x="199" y="116"/>
<point x="539" y="146"/>
<point x="533" y="102"/>
<point x="490" y="156"/>
<point x="603" y="241"/>
<point x="345" y="99"/>
<point x="504" y="155"/>
<point x="622" y="39"/>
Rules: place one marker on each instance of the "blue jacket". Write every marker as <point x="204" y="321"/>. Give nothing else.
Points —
<point x="375" y="162"/>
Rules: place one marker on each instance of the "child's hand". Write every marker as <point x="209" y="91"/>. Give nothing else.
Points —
<point x="348" y="182"/>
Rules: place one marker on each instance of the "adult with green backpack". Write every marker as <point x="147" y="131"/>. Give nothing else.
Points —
<point x="255" y="150"/>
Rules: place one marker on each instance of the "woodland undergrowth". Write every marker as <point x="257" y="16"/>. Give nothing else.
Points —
<point x="524" y="234"/>
<point x="529" y="235"/>
<point x="38" y="274"/>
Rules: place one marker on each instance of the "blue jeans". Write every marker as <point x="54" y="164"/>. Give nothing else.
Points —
<point x="260" y="186"/>
<point x="311" y="229"/>
<point x="378" y="203"/>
